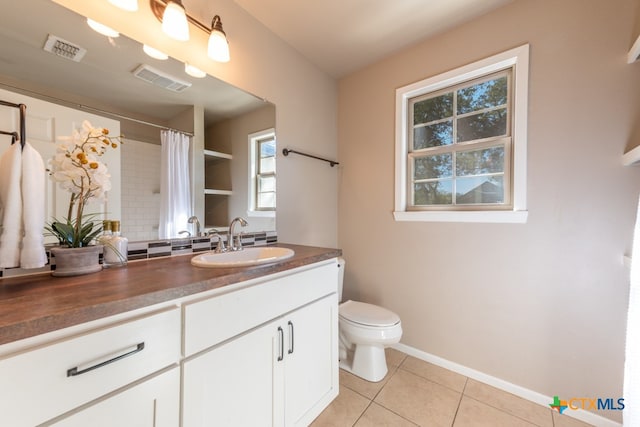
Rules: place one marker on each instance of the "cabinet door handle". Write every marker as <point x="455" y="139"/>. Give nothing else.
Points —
<point x="74" y="371"/>
<point x="281" y="339"/>
<point x="291" y="332"/>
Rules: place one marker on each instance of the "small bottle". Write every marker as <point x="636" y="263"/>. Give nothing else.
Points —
<point x="106" y="232"/>
<point x="115" y="249"/>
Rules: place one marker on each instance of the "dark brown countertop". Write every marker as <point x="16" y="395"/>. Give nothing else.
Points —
<point x="33" y="305"/>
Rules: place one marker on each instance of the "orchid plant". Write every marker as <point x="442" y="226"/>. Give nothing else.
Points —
<point x="76" y="168"/>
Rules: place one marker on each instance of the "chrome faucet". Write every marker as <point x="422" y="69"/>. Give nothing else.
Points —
<point x="235" y="242"/>
<point x="194" y="220"/>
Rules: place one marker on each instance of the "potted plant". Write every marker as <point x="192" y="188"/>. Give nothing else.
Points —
<point x="76" y="168"/>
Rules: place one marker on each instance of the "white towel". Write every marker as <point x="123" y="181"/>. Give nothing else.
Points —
<point x="631" y="392"/>
<point x="33" y="254"/>
<point x="11" y="206"/>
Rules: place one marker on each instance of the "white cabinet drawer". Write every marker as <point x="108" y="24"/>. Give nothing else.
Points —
<point x="211" y="321"/>
<point x="39" y="384"/>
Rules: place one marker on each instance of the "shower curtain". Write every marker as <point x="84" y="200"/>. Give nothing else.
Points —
<point x="175" y="194"/>
<point x="631" y="393"/>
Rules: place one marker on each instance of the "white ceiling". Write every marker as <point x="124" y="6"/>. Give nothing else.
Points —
<point x="341" y="36"/>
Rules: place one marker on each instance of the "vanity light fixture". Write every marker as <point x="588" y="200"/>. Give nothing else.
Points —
<point x="218" y="48"/>
<point x="102" y="29"/>
<point x="154" y="53"/>
<point x="194" y="71"/>
<point x="128" y="5"/>
<point x="175" y="21"/>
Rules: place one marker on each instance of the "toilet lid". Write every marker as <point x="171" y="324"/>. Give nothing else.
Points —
<point x="367" y="314"/>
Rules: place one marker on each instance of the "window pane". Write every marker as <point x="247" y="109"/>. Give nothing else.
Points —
<point x="268" y="165"/>
<point x="266" y="183"/>
<point x="433" y="135"/>
<point x="266" y="200"/>
<point x="430" y="167"/>
<point x="437" y="108"/>
<point x="432" y="193"/>
<point x="485" y="125"/>
<point x="489" y="160"/>
<point x="492" y="93"/>
<point x="481" y="189"/>
<point x="268" y="148"/>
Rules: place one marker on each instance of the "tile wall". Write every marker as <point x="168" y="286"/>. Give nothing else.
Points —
<point x="160" y="248"/>
<point x="140" y="190"/>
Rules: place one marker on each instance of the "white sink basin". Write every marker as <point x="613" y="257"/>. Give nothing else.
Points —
<point x="244" y="258"/>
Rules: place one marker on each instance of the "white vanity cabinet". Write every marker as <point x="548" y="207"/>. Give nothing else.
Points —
<point x="45" y="382"/>
<point x="279" y="369"/>
<point x="261" y="352"/>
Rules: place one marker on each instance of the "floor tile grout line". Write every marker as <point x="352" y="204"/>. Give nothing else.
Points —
<point x="396" y="368"/>
<point x="453" y="421"/>
<point x="360" y="416"/>
<point x="513" y="414"/>
<point x="431" y="380"/>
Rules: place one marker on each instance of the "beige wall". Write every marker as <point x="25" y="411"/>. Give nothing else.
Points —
<point x="235" y="133"/>
<point x="264" y="65"/>
<point x="541" y="305"/>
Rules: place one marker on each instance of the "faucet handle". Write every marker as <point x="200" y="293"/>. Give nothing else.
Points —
<point x="220" y="247"/>
<point x="238" y="245"/>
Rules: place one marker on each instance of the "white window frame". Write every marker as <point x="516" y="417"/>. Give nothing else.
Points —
<point x="518" y="59"/>
<point x="253" y="140"/>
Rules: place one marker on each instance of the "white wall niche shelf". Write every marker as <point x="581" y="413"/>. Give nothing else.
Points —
<point x="217" y="154"/>
<point x="631" y="157"/>
<point x="634" y="52"/>
<point x="210" y="191"/>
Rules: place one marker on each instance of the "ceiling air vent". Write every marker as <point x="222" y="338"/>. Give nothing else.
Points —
<point x="158" y="78"/>
<point x="64" y="48"/>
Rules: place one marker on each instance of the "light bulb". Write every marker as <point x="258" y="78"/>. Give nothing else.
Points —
<point x="128" y="5"/>
<point x="218" y="49"/>
<point x="102" y="29"/>
<point x="193" y="71"/>
<point x="154" y="53"/>
<point x="174" y="22"/>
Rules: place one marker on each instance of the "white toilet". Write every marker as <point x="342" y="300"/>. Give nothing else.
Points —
<point x="365" y="331"/>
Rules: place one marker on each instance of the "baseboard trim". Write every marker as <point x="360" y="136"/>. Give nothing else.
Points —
<point x="582" y="415"/>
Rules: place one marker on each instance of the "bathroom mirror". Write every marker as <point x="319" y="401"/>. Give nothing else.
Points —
<point x="103" y="83"/>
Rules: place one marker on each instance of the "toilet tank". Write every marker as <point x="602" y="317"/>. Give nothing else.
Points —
<point x="341" y="263"/>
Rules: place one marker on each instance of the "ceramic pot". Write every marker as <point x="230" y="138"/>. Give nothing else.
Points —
<point x="76" y="261"/>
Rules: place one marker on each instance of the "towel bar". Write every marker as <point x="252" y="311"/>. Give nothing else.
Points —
<point x="332" y="163"/>
<point x="15" y="135"/>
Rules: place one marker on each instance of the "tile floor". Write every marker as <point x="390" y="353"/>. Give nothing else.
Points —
<point x="417" y="393"/>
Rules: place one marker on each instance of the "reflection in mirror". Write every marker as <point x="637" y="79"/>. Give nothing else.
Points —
<point x="102" y="84"/>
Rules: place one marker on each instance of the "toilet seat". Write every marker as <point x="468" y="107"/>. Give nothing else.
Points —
<point x="365" y="314"/>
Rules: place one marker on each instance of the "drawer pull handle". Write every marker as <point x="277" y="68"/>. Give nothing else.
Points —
<point x="74" y="371"/>
<point x="281" y="339"/>
<point x="290" y="337"/>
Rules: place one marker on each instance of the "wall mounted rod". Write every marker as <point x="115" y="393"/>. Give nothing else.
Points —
<point x="131" y="119"/>
<point x="22" y="137"/>
<point x="286" y="152"/>
<point x="72" y="104"/>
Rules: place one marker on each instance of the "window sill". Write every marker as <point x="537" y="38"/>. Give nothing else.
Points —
<point x="506" y="217"/>
<point x="262" y="214"/>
